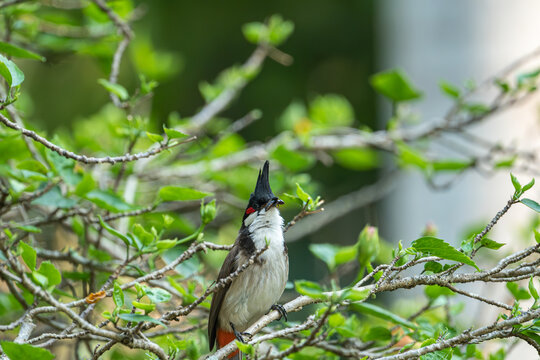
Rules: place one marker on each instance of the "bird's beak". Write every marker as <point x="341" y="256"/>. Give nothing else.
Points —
<point x="274" y="202"/>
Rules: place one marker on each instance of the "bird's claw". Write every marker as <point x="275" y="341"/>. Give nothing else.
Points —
<point x="240" y="335"/>
<point x="281" y="310"/>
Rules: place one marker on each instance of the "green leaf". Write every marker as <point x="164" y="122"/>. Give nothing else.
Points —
<point x="450" y="165"/>
<point x="378" y="333"/>
<point x="54" y="198"/>
<point x="302" y="195"/>
<point x="356" y="294"/>
<point x="114" y="232"/>
<point x="518" y="292"/>
<point x="532" y="289"/>
<point x="331" y="110"/>
<point x="139" y="318"/>
<point x="279" y="30"/>
<point x="433" y="266"/>
<point x="394" y="85"/>
<point x="527" y="77"/>
<point x="118" y="295"/>
<point x="177" y="193"/>
<point x="25" y="351"/>
<point x="173" y="133"/>
<point x="536" y="236"/>
<point x="144" y="236"/>
<point x="531" y="203"/>
<point x="15" y="51"/>
<point x="28" y="228"/>
<point x="409" y="156"/>
<point x="445" y="354"/>
<point x="449" y="89"/>
<point x="434" y="291"/>
<point x="116" y="89"/>
<point x="356" y="159"/>
<point x="154" y="137"/>
<point x="245" y="348"/>
<point x="309" y="288"/>
<point x="146" y="307"/>
<point x="255" y="32"/>
<point x="382" y="313"/>
<point x="108" y="200"/>
<point x="28" y="255"/>
<point x="529" y="185"/>
<point x="40" y="278"/>
<point x="429" y="245"/>
<point x="325" y="252"/>
<point x="491" y="244"/>
<point x="86" y="185"/>
<point x="515" y="182"/>
<point x="157" y="295"/>
<point x="9" y="71"/>
<point x="292" y="160"/>
<point x="50" y="271"/>
<point x="165" y="244"/>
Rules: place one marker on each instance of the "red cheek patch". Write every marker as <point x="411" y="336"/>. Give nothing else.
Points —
<point x="250" y="210"/>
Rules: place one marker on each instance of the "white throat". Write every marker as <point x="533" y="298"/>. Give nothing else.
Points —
<point x="265" y="226"/>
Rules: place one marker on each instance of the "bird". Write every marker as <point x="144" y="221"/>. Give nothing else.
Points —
<point x="253" y="293"/>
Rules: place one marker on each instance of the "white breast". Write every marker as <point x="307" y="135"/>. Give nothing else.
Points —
<point x="260" y="286"/>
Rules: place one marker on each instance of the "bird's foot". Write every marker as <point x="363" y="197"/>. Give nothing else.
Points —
<point x="240" y="335"/>
<point x="281" y="310"/>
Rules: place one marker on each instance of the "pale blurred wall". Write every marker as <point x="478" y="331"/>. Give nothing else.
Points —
<point x="455" y="41"/>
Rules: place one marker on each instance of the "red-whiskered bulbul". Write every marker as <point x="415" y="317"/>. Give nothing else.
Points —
<point x="256" y="290"/>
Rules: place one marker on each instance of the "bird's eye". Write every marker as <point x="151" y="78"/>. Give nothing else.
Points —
<point x="250" y="210"/>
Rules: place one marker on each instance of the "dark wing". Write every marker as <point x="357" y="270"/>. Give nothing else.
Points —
<point x="229" y="266"/>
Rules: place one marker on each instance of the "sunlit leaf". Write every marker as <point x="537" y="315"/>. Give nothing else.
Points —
<point x="432" y="246"/>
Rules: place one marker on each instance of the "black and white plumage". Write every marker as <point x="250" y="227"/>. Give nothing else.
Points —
<point x="259" y="287"/>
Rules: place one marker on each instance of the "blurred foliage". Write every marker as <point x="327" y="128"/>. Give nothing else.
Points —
<point x="137" y="217"/>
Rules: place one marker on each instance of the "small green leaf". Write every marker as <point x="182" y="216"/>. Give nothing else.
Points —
<point x="50" y="271"/>
<point x="531" y="203"/>
<point x="394" y="85"/>
<point x="356" y="159"/>
<point x="118" y="295"/>
<point x="15" y="51"/>
<point x="157" y="295"/>
<point x="433" y="266"/>
<point x="177" y="193"/>
<point x="532" y="289"/>
<point x="529" y="185"/>
<point x="245" y="348"/>
<point x="86" y="185"/>
<point x="114" y="232"/>
<point x="279" y="30"/>
<point x="378" y="333"/>
<point x="434" y="291"/>
<point x="536" y="236"/>
<point x="9" y="71"/>
<point x="325" y="252"/>
<point x="173" y="133"/>
<point x="108" y="200"/>
<point x="309" y="288"/>
<point x="382" y="313"/>
<point x="154" y="137"/>
<point x="429" y="245"/>
<point x="302" y="195"/>
<point x="292" y="160"/>
<point x="54" y="198"/>
<point x="28" y="228"/>
<point x="165" y="244"/>
<point x="515" y="182"/>
<point x="144" y="236"/>
<point x="518" y="292"/>
<point x="146" y="307"/>
<point x="255" y="32"/>
<point x="491" y="244"/>
<point x="357" y="294"/>
<point x="40" y="278"/>
<point x="137" y="318"/>
<point x="28" y="255"/>
<point x="25" y="351"/>
<point x="527" y="77"/>
<point x="449" y="89"/>
<point x="116" y="89"/>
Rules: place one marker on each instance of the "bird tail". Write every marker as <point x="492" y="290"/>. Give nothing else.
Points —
<point x="223" y="338"/>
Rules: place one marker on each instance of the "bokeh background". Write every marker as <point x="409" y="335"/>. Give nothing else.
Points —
<point x="336" y="46"/>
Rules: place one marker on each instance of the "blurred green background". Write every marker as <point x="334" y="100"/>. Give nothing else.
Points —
<point x="180" y="44"/>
